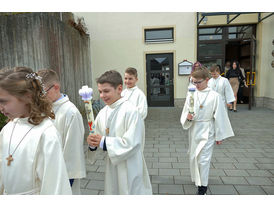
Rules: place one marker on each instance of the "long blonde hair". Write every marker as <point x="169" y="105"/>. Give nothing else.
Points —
<point x="22" y="81"/>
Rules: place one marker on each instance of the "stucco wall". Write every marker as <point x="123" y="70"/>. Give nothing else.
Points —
<point x="117" y="42"/>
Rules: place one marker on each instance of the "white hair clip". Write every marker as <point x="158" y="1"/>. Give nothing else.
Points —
<point x="35" y="76"/>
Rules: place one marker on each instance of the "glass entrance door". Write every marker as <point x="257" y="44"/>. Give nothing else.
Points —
<point x="160" y="88"/>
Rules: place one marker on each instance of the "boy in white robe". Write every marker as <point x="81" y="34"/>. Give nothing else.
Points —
<point x="31" y="158"/>
<point x="119" y="129"/>
<point x="69" y="123"/>
<point x="132" y="93"/>
<point x="207" y="125"/>
<point x="221" y="85"/>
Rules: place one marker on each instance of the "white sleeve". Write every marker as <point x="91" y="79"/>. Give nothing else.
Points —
<point x="121" y="148"/>
<point x="142" y="105"/>
<point x="50" y="165"/>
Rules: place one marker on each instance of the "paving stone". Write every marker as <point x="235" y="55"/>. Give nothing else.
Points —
<point x="265" y="160"/>
<point x="268" y="189"/>
<point x="171" y="159"/>
<point x="215" y="181"/>
<point x="236" y="155"/>
<point x="152" y="159"/>
<point x="155" y="188"/>
<point x="236" y="172"/>
<point x="184" y="180"/>
<point x="95" y="185"/>
<point x="153" y="171"/>
<point x="225" y="159"/>
<point x="185" y="172"/>
<point x="164" y="165"/>
<point x="246" y="160"/>
<point x="89" y="192"/>
<point x="259" y="181"/>
<point x="247" y="190"/>
<point x="91" y="168"/>
<point x="257" y="173"/>
<point x="162" y="179"/>
<point x="222" y="190"/>
<point x="245" y="166"/>
<point x="254" y="154"/>
<point x="190" y="189"/>
<point x="265" y="166"/>
<point x="171" y="189"/>
<point x="218" y="165"/>
<point x="84" y="182"/>
<point x="169" y="172"/>
<point x="216" y="172"/>
<point x="180" y="165"/>
<point x="96" y="175"/>
<point x="234" y="180"/>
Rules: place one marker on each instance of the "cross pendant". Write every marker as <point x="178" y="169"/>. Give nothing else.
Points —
<point x="107" y="131"/>
<point x="9" y="158"/>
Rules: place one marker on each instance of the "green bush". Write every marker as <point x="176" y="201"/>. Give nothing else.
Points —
<point x="3" y="120"/>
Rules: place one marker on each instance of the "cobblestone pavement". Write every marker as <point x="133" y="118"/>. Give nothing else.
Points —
<point x="242" y="165"/>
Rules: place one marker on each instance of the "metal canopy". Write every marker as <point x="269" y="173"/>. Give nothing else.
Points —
<point x="227" y="14"/>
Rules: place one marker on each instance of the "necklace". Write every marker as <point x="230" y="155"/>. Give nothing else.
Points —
<point x="201" y="104"/>
<point x="10" y="158"/>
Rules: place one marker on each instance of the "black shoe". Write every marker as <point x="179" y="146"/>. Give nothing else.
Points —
<point x="230" y="109"/>
<point x="201" y="190"/>
<point x="235" y="110"/>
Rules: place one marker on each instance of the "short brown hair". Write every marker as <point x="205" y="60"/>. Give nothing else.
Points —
<point x="22" y="81"/>
<point x="132" y="71"/>
<point x="201" y="73"/>
<point x="49" y="76"/>
<point x="112" y="77"/>
<point x="215" y="68"/>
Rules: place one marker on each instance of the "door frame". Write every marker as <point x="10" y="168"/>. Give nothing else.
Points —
<point x="173" y="52"/>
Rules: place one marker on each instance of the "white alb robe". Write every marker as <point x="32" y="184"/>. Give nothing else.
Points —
<point x="69" y="123"/>
<point x="38" y="166"/>
<point x="223" y="87"/>
<point x="137" y="98"/>
<point x="210" y="124"/>
<point x="126" y="171"/>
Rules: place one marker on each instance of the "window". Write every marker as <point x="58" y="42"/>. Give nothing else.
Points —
<point x="159" y="35"/>
<point x="210" y="33"/>
<point x="240" y="32"/>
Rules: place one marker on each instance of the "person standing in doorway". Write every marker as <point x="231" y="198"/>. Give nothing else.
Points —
<point x="234" y="75"/>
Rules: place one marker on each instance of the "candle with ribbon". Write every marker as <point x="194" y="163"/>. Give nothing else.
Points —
<point x="86" y="94"/>
<point x="191" y="90"/>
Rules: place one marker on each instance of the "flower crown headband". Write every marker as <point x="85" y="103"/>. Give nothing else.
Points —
<point x="39" y="78"/>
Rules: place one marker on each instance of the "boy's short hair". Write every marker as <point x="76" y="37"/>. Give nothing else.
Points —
<point x="112" y="77"/>
<point x="215" y="68"/>
<point x="201" y="73"/>
<point x="49" y="76"/>
<point x="132" y="71"/>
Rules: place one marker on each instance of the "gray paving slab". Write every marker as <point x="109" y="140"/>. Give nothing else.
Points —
<point x="223" y="190"/>
<point x="89" y="192"/>
<point x="95" y="185"/>
<point x="217" y="172"/>
<point x="171" y="189"/>
<point x="260" y="173"/>
<point x="162" y="179"/>
<point x="234" y="180"/>
<point x="268" y="189"/>
<point x="236" y="172"/>
<point x="259" y="181"/>
<point x="242" y="165"/>
<point x="248" y="189"/>
<point x="174" y="172"/>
